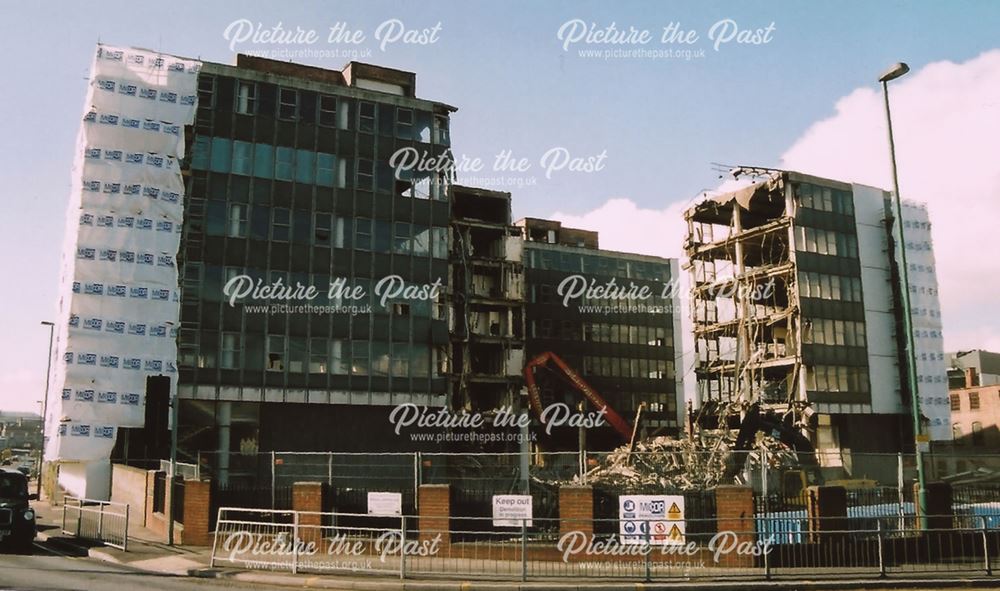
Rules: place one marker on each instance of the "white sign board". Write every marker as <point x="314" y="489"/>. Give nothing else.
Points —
<point x="662" y="514"/>
<point x="385" y="504"/>
<point x="511" y="510"/>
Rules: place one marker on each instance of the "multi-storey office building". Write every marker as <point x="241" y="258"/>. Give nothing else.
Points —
<point x="625" y="348"/>
<point x="796" y="300"/>
<point x="290" y="183"/>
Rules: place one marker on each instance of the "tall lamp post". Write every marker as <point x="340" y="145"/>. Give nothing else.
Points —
<point x="45" y="408"/>
<point x="895" y="71"/>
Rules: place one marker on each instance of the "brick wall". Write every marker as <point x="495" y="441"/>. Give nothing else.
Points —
<point x="734" y="513"/>
<point x="435" y="514"/>
<point x="308" y="496"/>
<point x="576" y="509"/>
<point x="197" y="504"/>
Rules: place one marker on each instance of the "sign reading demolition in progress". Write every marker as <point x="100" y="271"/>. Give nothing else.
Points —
<point x="663" y="515"/>
<point x="511" y="510"/>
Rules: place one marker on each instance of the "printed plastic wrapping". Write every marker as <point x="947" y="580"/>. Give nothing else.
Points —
<point x="119" y="300"/>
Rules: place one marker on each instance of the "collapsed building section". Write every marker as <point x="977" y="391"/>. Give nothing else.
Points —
<point x="796" y="310"/>
<point x="487" y="313"/>
<point x="746" y="317"/>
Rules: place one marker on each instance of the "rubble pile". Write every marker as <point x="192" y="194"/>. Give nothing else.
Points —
<point x="683" y="464"/>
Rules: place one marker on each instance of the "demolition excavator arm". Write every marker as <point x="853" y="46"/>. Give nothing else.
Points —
<point x="534" y="398"/>
<point x="755" y="422"/>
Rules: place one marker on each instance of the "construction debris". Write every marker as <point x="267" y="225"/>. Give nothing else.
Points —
<point x="664" y="463"/>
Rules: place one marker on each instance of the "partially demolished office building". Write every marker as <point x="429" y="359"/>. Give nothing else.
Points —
<point x="796" y="305"/>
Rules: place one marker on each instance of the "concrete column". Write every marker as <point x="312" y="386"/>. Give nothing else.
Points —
<point x="576" y="509"/>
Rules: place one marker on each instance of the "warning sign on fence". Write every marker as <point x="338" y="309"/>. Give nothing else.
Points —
<point x="662" y="515"/>
<point x="385" y="504"/>
<point x="512" y="510"/>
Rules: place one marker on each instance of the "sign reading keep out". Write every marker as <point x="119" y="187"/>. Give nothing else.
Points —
<point x="512" y="510"/>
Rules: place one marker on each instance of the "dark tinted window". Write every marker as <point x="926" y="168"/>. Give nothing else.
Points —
<point x="13" y="486"/>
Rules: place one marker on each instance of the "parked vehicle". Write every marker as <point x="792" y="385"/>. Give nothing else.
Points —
<point x="17" y="518"/>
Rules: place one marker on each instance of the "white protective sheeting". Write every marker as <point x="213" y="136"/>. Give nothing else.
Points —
<point x="119" y="300"/>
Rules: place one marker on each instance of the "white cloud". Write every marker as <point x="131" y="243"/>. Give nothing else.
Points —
<point x="946" y="119"/>
<point x="623" y="225"/>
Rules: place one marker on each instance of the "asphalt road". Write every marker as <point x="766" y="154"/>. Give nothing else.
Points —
<point x="53" y="566"/>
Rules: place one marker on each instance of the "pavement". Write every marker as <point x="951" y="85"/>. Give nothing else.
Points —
<point x="192" y="564"/>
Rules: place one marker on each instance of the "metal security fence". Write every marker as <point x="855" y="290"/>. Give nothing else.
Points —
<point x="253" y="496"/>
<point x="766" y="473"/>
<point x="305" y="542"/>
<point x="91" y="519"/>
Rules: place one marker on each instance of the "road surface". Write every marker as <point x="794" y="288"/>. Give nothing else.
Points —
<point x="54" y="566"/>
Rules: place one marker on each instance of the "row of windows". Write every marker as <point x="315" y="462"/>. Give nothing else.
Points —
<point x="925" y="245"/>
<point x="545" y="293"/>
<point x="837" y="378"/>
<point x="291" y="104"/>
<point x="266" y="161"/>
<point x="623" y="367"/>
<point x="280" y="224"/>
<point x="956" y="401"/>
<point x="823" y="331"/>
<point x="978" y="437"/>
<point x="570" y="262"/>
<point x="827" y="242"/>
<point x="207" y="283"/>
<point x="829" y="287"/>
<point x="659" y="405"/>
<point x="313" y="356"/>
<point x="825" y="198"/>
<point x="628" y="334"/>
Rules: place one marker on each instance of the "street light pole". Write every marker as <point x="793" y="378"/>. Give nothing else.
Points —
<point x="45" y="409"/>
<point x="174" y="402"/>
<point x="911" y="359"/>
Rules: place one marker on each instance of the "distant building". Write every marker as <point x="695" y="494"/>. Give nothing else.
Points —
<point x="20" y="432"/>
<point x="626" y="349"/>
<point x="985" y="363"/>
<point x="975" y="414"/>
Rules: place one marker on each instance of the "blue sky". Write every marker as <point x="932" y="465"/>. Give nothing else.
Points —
<point x="661" y="122"/>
